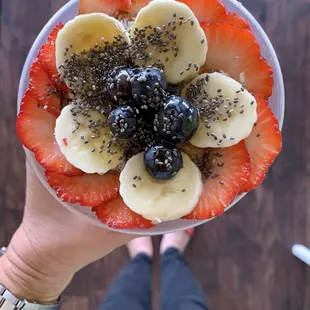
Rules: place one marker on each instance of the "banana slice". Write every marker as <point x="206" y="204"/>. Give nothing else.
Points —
<point x="174" y="38"/>
<point x="84" y="32"/>
<point x="227" y="110"/>
<point x="160" y="200"/>
<point x="85" y="143"/>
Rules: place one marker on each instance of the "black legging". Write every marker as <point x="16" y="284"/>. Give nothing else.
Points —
<point x="179" y="289"/>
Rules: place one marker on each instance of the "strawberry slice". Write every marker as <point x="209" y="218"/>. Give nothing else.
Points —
<point x="110" y="7"/>
<point x="207" y="11"/>
<point x="235" y="19"/>
<point x="117" y="215"/>
<point x="264" y="144"/>
<point x="47" y="57"/>
<point x="229" y="171"/>
<point x="33" y="123"/>
<point x="43" y="90"/>
<point x="89" y="189"/>
<point x="213" y="11"/>
<point x="48" y="61"/>
<point x="236" y="52"/>
<point x="54" y="32"/>
<point x="51" y="158"/>
<point x="35" y="129"/>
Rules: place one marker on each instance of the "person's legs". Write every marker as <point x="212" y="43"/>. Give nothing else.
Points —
<point x="131" y="290"/>
<point x="179" y="288"/>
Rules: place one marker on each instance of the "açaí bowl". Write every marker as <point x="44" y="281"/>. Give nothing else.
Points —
<point x="276" y="102"/>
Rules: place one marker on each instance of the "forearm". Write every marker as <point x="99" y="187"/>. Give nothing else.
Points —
<point x="26" y="273"/>
<point x="23" y="285"/>
<point x="40" y="262"/>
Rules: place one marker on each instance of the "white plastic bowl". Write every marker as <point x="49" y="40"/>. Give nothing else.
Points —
<point x="276" y="102"/>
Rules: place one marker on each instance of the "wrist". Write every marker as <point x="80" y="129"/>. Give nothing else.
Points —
<point x="27" y="274"/>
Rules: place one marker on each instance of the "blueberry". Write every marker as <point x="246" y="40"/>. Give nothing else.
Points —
<point x="147" y="117"/>
<point x="177" y="121"/>
<point x="119" y="85"/>
<point x="122" y="122"/>
<point x="163" y="161"/>
<point x="144" y="135"/>
<point x="147" y="88"/>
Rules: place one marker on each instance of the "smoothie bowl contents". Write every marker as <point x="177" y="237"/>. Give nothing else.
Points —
<point x="151" y="111"/>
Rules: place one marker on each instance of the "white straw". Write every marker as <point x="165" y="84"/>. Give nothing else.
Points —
<point x="301" y="252"/>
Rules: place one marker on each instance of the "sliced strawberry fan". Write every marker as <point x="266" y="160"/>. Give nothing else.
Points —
<point x="230" y="171"/>
<point x="88" y="190"/>
<point x="47" y="59"/>
<point x="264" y="144"/>
<point x="45" y="83"/>
<point x="236" y="52"/>
<point x="213" y="11"/>
<point x="35" y="129"/>
<point x="110" y="7"/>
<point x="205" y="11"/>
<point x="43" y="90"/>
<point x="117" y="215"/>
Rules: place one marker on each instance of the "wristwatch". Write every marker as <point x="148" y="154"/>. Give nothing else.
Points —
<point x="9" y="302"/>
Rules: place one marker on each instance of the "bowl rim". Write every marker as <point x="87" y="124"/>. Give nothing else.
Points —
<point x="140" y="232"/>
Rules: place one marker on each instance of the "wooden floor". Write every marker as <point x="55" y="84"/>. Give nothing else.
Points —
<point x="242" y="259"/>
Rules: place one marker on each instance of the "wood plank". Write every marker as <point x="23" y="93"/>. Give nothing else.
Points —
<point x="242" y="259"/>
